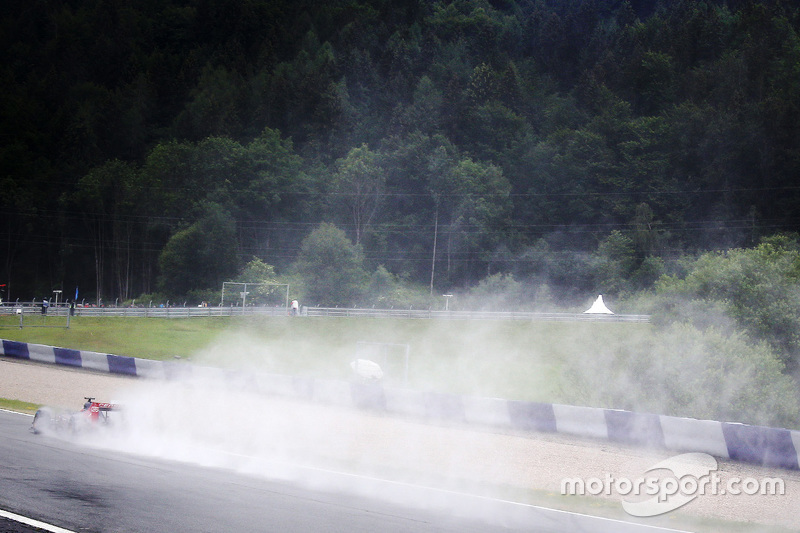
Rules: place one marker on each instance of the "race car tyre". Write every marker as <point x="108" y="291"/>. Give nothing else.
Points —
<point x="42" y="421"/>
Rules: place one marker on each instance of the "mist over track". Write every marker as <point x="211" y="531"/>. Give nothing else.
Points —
<point x="455" y="458"/>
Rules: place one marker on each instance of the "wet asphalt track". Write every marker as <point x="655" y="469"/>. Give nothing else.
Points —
<point x="89" y="490"/>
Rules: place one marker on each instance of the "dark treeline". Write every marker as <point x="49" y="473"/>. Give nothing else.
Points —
<point x="160" y="145"/>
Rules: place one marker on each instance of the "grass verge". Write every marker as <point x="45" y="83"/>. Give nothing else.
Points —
<point x="20" y="407"/>
<point x="517" y="360"/>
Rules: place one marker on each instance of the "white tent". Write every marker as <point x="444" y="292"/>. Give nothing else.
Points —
<point x="598" y="307"/>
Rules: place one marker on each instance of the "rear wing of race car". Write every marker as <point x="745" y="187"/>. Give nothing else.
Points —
<point x="101" y="406"/>
<point x="96" y="408"/>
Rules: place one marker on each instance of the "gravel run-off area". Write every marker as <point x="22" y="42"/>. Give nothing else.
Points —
<point x="526" y="467"/>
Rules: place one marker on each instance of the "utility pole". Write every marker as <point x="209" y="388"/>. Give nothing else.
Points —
<point x="435" y="235"/>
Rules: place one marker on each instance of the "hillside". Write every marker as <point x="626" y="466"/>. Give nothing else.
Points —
<point x="147" y="142"/>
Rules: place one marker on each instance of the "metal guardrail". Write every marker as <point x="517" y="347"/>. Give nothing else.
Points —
<point x="188" y="312"/>
<point x="143" y="312"/>
<point x="469" y="315"/>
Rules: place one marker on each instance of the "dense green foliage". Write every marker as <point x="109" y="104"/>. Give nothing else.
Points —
<point x="331" y="266"/>
<point x="578" y="146"/>
<point x="685" y="371"/>
<point x="753" y="290"/>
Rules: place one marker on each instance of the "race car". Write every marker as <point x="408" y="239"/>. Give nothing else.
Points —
<point x="93" y="415"/>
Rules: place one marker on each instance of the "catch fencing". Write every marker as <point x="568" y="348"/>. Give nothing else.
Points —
<point x="30" y="309"/>
<point x="141" y="312"/>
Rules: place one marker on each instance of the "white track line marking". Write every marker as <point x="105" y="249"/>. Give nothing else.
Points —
<point x="15" y="412"/>
<point x="595" y="519"/>
<point x="24" y="519"/>
<point x="33" y="523"/>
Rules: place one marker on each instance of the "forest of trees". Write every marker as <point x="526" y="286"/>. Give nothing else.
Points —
<point x="572" y="146"/>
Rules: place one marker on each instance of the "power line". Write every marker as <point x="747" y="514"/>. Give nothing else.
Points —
<point x="201" y="185"/>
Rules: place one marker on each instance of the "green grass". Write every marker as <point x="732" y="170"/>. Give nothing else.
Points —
<point x="16" y="405"/>
<point x="520" y="360"/>
<point x="149" y="338"/>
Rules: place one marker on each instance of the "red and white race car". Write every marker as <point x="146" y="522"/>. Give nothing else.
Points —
<point x="93" y="415"/>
